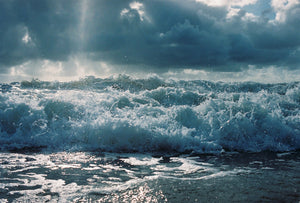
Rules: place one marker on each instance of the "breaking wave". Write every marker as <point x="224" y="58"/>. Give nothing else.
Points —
<point x="123" y="114"/>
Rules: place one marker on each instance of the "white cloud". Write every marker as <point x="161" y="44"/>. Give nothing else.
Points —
<point x="282" y="7"/>
<point x="233" y="7"/>
<point x="139" y="8"/>
<point x="136" y="5"/>
<point x="26" y="38"/>
<point x="232" y="12"/>
<point x="228" y="3"/>
<point x="124" y="12"/>
<point x="250" y="17"/>
<point x="268" y="74"/>
<point x="73" y="69"/>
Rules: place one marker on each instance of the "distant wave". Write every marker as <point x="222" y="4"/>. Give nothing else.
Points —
<point x="123" y="114"/>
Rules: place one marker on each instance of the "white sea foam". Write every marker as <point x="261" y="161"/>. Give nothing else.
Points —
<point x="150" y="115"/>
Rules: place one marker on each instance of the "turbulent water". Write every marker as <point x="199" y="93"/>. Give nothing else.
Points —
<point x="149" y="140"/>
<point x="153" y="115"/>
<point x="92" y="177"/>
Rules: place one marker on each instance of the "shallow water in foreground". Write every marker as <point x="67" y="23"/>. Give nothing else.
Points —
<point x="112" y="177"/>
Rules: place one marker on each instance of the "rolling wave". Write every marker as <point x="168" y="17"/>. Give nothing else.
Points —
<point x="123" y="114"/>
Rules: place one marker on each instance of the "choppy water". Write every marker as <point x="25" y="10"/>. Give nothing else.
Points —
<point x="150" y="115"/>
<point x="149" y="140"/>
<point x="94" y="177"/>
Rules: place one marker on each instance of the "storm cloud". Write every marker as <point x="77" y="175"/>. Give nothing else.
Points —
<point x="161" y="34"/>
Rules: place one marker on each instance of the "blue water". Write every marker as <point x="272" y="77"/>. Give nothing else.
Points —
<point x="123" y="114"/>
<point x="122" y="139"/>
<point x="114" y="177"/>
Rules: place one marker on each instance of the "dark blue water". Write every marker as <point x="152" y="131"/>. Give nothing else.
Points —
<point x="111" y="177"/>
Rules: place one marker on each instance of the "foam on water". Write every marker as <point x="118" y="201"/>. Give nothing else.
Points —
<point x="136" y="177"/>
<point x="123" y="114"/>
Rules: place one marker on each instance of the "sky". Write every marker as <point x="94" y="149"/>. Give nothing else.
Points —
<point x="255" y="40"/>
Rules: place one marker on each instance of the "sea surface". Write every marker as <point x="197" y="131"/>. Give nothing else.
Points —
<point x="121" y="139"/>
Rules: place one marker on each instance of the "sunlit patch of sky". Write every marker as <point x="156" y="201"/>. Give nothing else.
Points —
<point x="261" y="8"/>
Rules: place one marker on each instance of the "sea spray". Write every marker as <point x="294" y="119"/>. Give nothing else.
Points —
<point x="123" y="114"/>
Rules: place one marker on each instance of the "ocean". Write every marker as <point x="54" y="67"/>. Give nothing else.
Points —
<point x="122" y="139"/>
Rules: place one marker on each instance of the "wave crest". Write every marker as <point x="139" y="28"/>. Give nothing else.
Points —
<point x="150" y="115"/>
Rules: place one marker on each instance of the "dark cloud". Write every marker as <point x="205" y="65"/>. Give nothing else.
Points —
<point x="157" y="33"/>
<point x="50" y="26"/>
